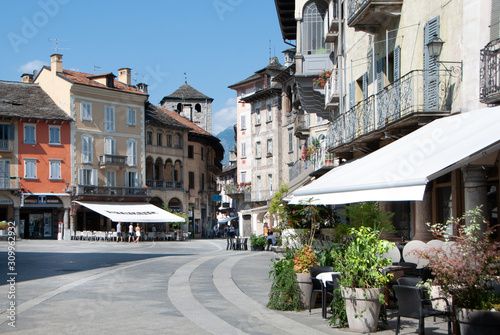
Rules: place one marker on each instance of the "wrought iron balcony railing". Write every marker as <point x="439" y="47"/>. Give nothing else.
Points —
<point x="490" y="73"/>
<point x="165" y="185"/>
<point x="9" y="183"/>
<point x="115" y="160"/>
<point x="418" y="92"/>
<point x="90" y="190"/>
<point x="6" y="145"/>
<point x="368" y="14"/>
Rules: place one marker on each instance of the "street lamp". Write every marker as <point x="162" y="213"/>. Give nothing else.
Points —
<point x="434" y="48"/>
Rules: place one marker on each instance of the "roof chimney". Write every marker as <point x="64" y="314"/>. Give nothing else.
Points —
<point x="124" y="75"/>
<point x="142" y="87"/>
<point x="56" y="63"/>
<point x="27" y="78"/>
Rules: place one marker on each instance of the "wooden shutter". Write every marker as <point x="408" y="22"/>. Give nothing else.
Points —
<point x="380" y="74"/>
<point x="352" y="94"/>
<point x="495" y="20"/>
<point x="431" y="67"/>
<point x="397" y="62"/>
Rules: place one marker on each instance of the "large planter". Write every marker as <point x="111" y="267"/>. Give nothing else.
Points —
<point x="474" y="322"/>
<point x="305" y="285"/>
<point x="256" y="247"/>
<point x="362" y="308"/>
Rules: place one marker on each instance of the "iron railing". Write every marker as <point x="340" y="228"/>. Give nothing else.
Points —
<point x="263" y="195"/>
<point x="9" y="183"/>
<point x="111" y="191"/>
<point x="490" y="73"/>
<point x="116" y="160"/>
<point x="401" y="99"/>
<point x="6" y="145"/>
<point x="165" y="185"/>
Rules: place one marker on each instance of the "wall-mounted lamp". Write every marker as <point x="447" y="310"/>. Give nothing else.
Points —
<point x="434" y="48"/>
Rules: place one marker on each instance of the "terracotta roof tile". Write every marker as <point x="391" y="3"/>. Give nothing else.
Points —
<point x="87" y="79"/>
<point x="184" y="121"/>
<point x="157" y="114"/>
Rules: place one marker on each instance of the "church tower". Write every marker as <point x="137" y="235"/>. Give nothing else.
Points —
<point x="193" y="105"/>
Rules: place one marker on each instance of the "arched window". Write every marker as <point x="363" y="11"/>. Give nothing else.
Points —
<point x="169" y="172"/>
<point x="197" y="108"/>
<point x="175" y="205"/>
<point x="312" y="29"/>
<point x="179" y="107"/>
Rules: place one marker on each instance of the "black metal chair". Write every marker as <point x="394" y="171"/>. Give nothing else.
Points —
<point x="317" y="285"/>
<point x="330" y="288"/>
<point x="409" y="281"/>
<point x="412" y="304"/>
<point x="244" y="243"/>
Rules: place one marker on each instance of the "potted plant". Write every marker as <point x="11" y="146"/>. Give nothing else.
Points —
<point x="362" y="279"/>
<point x="285" y="293"/>
<point x="466" y="268"/>
<point x="323" y="76"/>
<point x="257" y="242"/>
<point x="304" y="258"/>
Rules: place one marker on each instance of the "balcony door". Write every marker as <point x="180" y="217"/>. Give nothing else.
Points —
<point x="4" y="174"/>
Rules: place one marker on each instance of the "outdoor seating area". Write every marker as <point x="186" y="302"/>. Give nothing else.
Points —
<point x="237" y="243"/>
<point x="110" y="236"/>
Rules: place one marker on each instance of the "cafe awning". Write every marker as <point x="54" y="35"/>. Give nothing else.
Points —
<point x="131" y="212"/>
<point x="226" y="220"/>
<point x="400" y="170"/>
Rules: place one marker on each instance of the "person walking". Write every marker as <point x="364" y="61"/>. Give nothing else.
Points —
<point x="119" y="235"/>
<point x="130" y="232"/>
<point x="137" y="233"/>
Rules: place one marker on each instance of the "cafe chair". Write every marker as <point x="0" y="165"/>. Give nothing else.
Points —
<point x="412" y="304"/>
<point x="317" y="285"/>
<point x="409" y="281"/>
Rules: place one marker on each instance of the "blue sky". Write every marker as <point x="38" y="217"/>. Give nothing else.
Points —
<point x="216" y="42"/>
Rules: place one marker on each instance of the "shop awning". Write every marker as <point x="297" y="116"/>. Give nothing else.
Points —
<point x="131" y="212"/>
<point x="400" y="170"/>
<point x="226" y="220"/>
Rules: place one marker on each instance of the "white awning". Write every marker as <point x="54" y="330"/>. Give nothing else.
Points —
<point x="131" y="212"/>
<point x="400" y="170"/>
<point x="225" y="220"/>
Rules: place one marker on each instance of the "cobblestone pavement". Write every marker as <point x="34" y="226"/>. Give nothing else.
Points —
<point x="190" y="287"/>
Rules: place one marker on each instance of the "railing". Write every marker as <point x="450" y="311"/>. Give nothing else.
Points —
<point x="353" y="6"/>
<point x="258" y="196"/>
<point x="111" y="191"/>
<point x="490" y="73"/>
<point x="236" y="189"/>
<point x="303" y="123"/>
<point x="9" y="183"/>
<point x="399" y="100"/>
<point x="165" y="185"/>
<point x="6" y="145"/>
<point x="112" y="160"/>
<point x="321" y="158"/>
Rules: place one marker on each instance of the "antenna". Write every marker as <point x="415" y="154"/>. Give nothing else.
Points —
<point x="56" y="44"/>
<point x="96" y="68"/>
<point x="269" y="50"/>
<point x="185" y="77"/>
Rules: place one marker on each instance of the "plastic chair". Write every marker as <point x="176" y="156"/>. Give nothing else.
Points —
<point x="317" y="285"/>
<point x="412" y="304"/>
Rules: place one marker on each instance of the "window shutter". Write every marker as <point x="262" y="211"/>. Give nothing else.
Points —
<point x="380" y="74"/>
<point x="431" y="66"/>
<point x="397" y="62"/>
<point x="352" y="95"/>
<point x="495" y="20"/>
<point x="94" y="181"/>
<point x="365" y="86"/>
<point x="80" y="177"/>
<point x="11" y="132"/>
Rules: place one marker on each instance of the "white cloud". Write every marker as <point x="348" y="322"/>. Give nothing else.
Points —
<point x="224" y="117"/>
<point x="30" y="66"/>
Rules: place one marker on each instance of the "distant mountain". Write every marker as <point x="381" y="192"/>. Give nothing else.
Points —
<point x="226" y="138"/>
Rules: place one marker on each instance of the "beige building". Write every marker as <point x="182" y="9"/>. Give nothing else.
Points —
<point x="107" y="143"/>
<point x="398" y="67"/>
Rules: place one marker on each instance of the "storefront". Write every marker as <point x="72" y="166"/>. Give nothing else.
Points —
<point x="39" y="216"/>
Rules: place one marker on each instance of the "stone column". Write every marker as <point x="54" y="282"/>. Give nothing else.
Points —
<point x="475" y="189"/>
<point x="17" y="221"/>
<point x="67" y="230"/>
<point x="423" y="214"/>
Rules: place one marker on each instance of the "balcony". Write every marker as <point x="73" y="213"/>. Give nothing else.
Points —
<point x="322" y="162"/>
<point x="332" y="91"/>
<point x="367" y="15"/>
<point x="258" y="196"/>
<point x="232" y="189"/>
<point x="112" y="160"/>
<point x="9" y="183"/>
<point x="302" y="128"/>
<point x="165" y="185"/>
<point x="311" y="97"/>
<point x="331" y="23"/>
<point x="406" y="102"/>
<point x="490" y="73"/>
<point x="6" y="145"/>
<point x="113" y="191"/>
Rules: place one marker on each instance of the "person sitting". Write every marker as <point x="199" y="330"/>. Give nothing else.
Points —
<point x="271" y="239"/>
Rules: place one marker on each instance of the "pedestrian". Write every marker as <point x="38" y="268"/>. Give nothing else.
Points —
<point x="137" y="233"/>
<point x="119" y="232"/>
<point x="130" y="232"/>
<point x="271" y="239"/>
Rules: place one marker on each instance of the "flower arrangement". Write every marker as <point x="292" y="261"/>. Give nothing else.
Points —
<point x="4" y="225"/>
<point x="466" y="269"/>
<point x="323" y="76"/>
